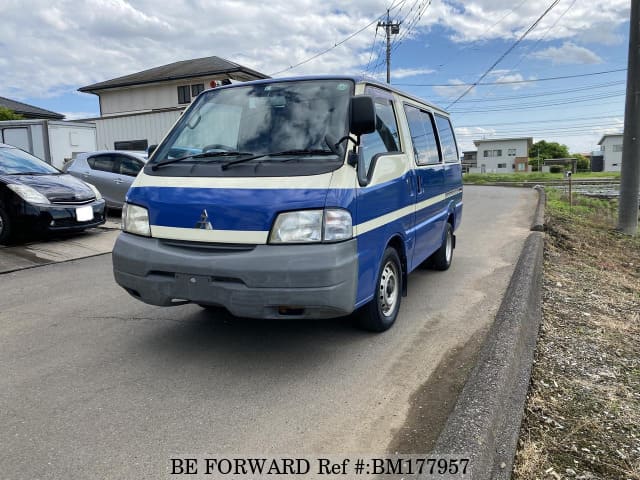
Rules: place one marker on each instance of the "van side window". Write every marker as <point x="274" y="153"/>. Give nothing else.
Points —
<point x="385" y="138"/>
<point x="425" y="147"/>
<point x="447" y="140"/>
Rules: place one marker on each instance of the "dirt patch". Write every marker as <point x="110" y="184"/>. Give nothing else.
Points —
<point x="436" y="398"/>
<point x="582" y="417"/>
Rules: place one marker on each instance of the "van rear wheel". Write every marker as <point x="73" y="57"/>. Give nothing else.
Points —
<point x="381" y="312"/>
<point x="441" y="259"/>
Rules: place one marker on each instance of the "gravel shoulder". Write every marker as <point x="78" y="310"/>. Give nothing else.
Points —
<point x="582" y="417"/>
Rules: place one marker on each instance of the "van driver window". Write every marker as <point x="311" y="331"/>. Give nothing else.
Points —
<point x="385" y="138"/>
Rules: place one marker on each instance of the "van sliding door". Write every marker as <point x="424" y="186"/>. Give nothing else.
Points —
<point x="429" y="183"/>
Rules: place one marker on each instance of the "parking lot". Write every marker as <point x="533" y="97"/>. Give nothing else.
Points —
<point x="99" y="383"/>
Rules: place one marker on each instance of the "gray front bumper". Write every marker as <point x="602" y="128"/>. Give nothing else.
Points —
<point x="262" y="281"/>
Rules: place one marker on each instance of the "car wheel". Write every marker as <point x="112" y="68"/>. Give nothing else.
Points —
<point x="5" y="226"/>
<point x="441" y="259"/>
<point x="381" y="312"/>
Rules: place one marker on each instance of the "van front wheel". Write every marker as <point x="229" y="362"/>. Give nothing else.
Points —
<point x="380" y="313"/>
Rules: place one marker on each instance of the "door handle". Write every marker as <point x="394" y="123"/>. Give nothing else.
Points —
<point x="419" y="181"/>
<point x="117" y="180"/>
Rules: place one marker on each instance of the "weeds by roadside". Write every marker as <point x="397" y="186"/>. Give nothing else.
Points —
<point x="481" y="178"/>
<point x="582" y="417"/>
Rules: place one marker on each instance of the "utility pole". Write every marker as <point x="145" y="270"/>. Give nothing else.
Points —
<point x="390" y="28"/>
<point x="630" y="170"/>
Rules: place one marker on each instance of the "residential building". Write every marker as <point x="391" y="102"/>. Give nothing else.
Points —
<point x="469" y="160"/>
<point x="137" y="110"/>
<point x="29" y="111"/>
<point x="502" y="155"/>
<point x="611" y="148"/>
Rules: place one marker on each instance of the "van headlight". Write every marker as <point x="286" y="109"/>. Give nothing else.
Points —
<point x="312" y="226"/>
<point x="135" y="219"/>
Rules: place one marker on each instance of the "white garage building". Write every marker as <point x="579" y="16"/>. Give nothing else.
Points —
<point x="138" y="109"/>
<point x="611" y="148"/>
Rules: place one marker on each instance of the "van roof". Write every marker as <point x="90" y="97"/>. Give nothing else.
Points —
<point x="354" y="78"/>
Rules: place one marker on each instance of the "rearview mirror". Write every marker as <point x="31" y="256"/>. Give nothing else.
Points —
<point x="362" y="115"/>
<point x="151" y="149"/>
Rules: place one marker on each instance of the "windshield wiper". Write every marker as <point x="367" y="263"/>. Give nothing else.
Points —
<point x="231" y="153"/>
<point x="283" y="153"/>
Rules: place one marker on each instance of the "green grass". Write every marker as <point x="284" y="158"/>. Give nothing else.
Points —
<point x="480" y="178"/>
<point x="585" y="207"/>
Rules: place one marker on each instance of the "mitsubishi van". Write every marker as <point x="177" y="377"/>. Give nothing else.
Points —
<point x="306" y="197"/>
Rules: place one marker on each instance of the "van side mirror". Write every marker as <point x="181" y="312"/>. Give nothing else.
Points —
<point x="362" y="118"/>
<point x="151" y="149"/>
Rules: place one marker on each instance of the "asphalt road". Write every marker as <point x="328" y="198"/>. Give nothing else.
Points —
<point x="94" y="384"/>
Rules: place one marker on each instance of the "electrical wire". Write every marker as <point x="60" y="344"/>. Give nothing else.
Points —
<point x="509" y="50"/>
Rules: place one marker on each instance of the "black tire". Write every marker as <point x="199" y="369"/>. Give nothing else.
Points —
<point x="5" y="227"/>
<point x="381" y="312"/>
<point x="442" y="258"/>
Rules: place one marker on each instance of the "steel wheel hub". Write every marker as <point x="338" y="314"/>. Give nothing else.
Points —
<point x="388" y="289"/>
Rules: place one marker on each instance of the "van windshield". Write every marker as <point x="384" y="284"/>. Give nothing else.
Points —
<point x="261" y="122"/>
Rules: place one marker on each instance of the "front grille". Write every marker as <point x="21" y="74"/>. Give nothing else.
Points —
<point x="209" y="247"/>
<point x="57" y="201"/>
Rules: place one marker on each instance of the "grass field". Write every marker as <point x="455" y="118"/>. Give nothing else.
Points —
<point x="480" y="178"/>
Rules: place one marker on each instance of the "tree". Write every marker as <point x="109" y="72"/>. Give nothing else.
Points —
<point x="582" y="162"/>
<point x="548" y="150"/>
<point x="6" y="114"/>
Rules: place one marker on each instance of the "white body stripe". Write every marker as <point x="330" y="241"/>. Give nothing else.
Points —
<point x="212" y="236"/>
<point x="396" y="214"/>
<point x="301" y="182"/>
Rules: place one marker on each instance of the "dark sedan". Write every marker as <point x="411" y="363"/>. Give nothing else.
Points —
<point x="35" y="196"/>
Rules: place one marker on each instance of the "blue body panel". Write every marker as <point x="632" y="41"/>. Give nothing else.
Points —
<point x="230" y="209"/>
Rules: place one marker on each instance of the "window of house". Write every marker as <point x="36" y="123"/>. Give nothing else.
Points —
<point x="447" y="140"/>
<point x="486" y="153"/>
<point x="502" y="165"/>
<point x="386" y="137"/>
<point x="425" y="147"/>
<point x="498" y="153"/>
<point x="197" y="89"/>
<point x="511" y="152"/>
<point x="184" y="94"/>
<point x="617" y="148"/>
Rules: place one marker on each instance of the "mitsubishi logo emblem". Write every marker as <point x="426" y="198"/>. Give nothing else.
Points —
<point x="204" y="223"/>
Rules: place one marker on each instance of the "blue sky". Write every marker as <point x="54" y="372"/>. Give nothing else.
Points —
<point x="52" y="48"/>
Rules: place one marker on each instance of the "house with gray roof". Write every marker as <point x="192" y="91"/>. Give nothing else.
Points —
<point x="29" y="111"/>
<point x="136" y="110"/>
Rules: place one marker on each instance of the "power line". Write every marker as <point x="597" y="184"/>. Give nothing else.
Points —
<point x="508" y="82"/>
<point x="335" y="45"/>
<point x="542" y="104"/>
<point x="543" y="94"/>
<point x="546" y="120"/>
<point x="509" y="50"/>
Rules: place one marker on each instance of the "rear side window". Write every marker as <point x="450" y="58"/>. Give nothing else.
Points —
<point x="447" y="140"/>
<point x="129" y="166"/>
<point x="103" y="163"/>
<point x="423" y="137"/>
<point x="385" y="138"/>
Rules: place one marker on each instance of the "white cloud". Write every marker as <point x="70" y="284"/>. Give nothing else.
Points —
<point x="51" y="48"/>
<point x="466" y="135"/>
<point x="568" y="53"/>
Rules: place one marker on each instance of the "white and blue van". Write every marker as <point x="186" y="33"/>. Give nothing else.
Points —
<point x="307" y="197"/>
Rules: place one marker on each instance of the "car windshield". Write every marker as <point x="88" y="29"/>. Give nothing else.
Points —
<point x="295" y="116"/>
<point x="14" y="161"/>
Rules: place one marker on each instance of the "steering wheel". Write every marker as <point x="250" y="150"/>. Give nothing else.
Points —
<point x="218" y="146"/>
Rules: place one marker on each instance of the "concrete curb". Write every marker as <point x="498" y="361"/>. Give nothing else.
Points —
<point x="538" y="217"/>
<point x="485" y="422"/>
